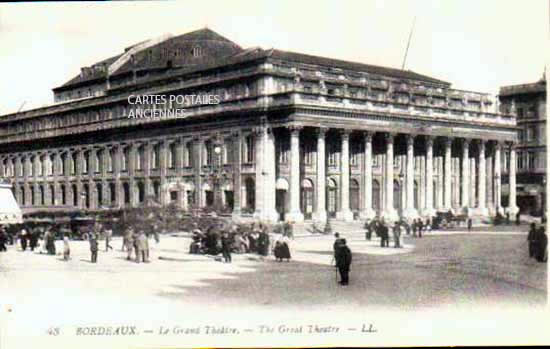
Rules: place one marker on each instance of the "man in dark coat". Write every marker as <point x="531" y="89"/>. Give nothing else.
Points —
<point x="226" y="247"/>
<point x="420" y="227"/>
<point x="23" y="239"/>
<point x="93" y="247"/>
<point x="263" y="244"/>
<point x="384" y="235"/>
<point x="541" y="241"/>
<point x="532" y="239"/>
<point x="3" y="239"/>
<point x="414" y="227"/>
<point x="343" y="261"/>
<point x="33" y="238"/>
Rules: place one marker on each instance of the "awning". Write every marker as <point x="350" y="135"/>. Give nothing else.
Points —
<point x="10" y="213"/>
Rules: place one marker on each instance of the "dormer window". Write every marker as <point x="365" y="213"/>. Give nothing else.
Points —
<point x="197" y="52"/>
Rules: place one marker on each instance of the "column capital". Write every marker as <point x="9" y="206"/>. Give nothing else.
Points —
<point x="344" y="133"/>
<point x="389" y="137"/>
<point x="295" y="129"/>
<point x="410" y="139"/>
<point x="481" y="144"/>
<point x="368" y="135"/>
<point x="429" y="140"/>
<point x="321" y="131"/>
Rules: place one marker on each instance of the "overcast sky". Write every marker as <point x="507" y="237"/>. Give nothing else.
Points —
<point x="475" y="45"/>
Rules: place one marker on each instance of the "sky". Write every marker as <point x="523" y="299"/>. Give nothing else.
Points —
<point x="474" y="45"/>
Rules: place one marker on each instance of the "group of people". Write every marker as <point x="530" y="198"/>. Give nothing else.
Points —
<point x="254" y="238"/>
<point x="538" y="243"/>
<point x="136" y="243"/>
<point x="382" y="230"/>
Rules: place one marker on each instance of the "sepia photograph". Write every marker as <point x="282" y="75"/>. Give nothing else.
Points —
<point x="211" y="173"/>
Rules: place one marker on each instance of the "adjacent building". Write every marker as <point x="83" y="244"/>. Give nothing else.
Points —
<point x="528" y="103"/>
<point x="289" y="136"/>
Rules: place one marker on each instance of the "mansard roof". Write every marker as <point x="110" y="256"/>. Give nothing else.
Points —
<point x="162" y="52"/>
<point x="362" y="67"/>
<point x="176" y="53"/>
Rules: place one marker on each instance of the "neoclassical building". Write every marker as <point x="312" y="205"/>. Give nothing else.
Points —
<point x="294" y="137"/>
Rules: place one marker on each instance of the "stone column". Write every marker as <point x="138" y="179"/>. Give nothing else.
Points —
<point x="198" y="144"/>
<point x="389" y="214"/>
<point x="497" y="185"/>
<point x="465" y="174"/>
<point x="367" y="212"/>
<point x="489" y="181"/>
<point x="265" y="175"/>
<point x="481" y="193"/>
<point x="429" y="208"/>
<point x="410" y="212"/>
<point x="163" y="194"/>
<point x="472" y="182"/>
<point x="294" y="214"/>
<point x="345" y="212"/>
<point x="447" y="204"/>
<point x="237" y="179"/>
<point x="320" y="214"/>
<point x="512" y="208"/>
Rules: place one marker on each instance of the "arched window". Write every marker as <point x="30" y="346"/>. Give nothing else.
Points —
<point x="75" y="195"/>
<point x="354" y="195"/>
<point x="396" y="196"/>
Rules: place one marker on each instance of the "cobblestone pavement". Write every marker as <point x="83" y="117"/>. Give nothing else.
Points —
<point x="437" y="271"/>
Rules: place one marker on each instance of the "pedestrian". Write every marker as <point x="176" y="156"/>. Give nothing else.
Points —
<point x="50" y="242"/>
<point x="541" y="245"/>
<point x="263" y="243"/>
<point x="532" y="239"/>
<point x="141" y="248"/>
<point x="384" y="235"/>
<point x="93" y="246"/>
<point x="108" y="236"/>
<point x="336" y="244"/>
<point x="23" y="239"/>
<point x="368" y="234"/>
<point x="518" y="221"/>
<point x="129" y="239"/>
<point x="66" y="249"/>
<point x="469" y="224"/>
<point x="33" y="238"/>
<point x="396" y="235"/>
<point x="226" y="247"/>
<point x="343" y="261"/>
<point x="3" y="239"/>
<point x="507" y="218"/>
<point x="414" y="227"/>
<point x="420" y="227"/>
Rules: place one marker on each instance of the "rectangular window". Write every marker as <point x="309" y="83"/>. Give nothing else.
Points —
<point x="332" y="149"/>
<point x="283" y="151"/>
<point x="308" y="154"/>
<point x="172" y="155"/>
<point x="531" y="160"/>
<point x="249" y="151"/>
<point x="86" y="162"/>
<point x="520" y="113"/>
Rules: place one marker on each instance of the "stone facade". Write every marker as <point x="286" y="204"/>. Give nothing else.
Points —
<point x="528" y="103"/>
<point x="294" y="137"/>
